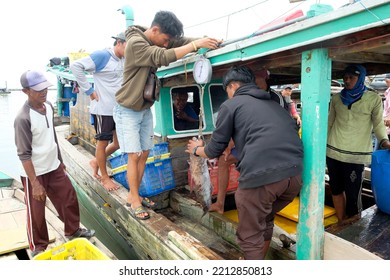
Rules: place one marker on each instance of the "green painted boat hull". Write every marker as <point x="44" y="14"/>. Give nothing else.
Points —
<point x="5" y="180"/>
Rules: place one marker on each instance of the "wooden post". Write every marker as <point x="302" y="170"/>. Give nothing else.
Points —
<point x="315" y="97"/>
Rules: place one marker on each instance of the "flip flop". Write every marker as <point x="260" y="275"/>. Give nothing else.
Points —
<point x="136" y="213"/>
<point x="149" y="203"/>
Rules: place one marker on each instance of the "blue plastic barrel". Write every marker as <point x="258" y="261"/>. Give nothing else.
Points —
<point x="68" y="93"/>
<point x="380" y="179"/>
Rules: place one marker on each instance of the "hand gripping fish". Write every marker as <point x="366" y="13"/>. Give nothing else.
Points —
<point x="202" y="183"/>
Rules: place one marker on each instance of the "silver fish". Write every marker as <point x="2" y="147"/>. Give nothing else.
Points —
<point x="202" y="183"/>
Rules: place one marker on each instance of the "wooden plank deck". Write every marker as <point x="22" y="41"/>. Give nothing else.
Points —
<point x="371" y="232"/>
<point x="13" y="235"/>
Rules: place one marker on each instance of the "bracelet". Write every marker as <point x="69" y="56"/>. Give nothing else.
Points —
<point x="194" y="151"/>
<point x="193" y="44"/>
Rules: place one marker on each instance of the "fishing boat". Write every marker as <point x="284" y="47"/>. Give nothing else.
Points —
<point x="4" y="88"/>
<point x="14" y="244"/>
<point x="5" y="180"/>
<point x="312" y="50"/>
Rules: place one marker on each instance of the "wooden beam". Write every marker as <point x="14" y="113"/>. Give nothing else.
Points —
<point x="359" y="47"/>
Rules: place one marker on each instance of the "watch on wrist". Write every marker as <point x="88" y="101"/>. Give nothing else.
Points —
<point x="194" y="151"/>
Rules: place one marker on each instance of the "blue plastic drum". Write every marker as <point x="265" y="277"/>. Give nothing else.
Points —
<point x="380" y="179"/>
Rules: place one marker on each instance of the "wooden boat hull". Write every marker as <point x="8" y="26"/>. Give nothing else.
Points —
<point x="5" y="180"/>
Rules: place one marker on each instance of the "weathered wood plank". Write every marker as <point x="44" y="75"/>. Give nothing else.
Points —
<point x="188" y="207"/>
<point x="7" y="221"/>
<point x="192" y="247"/>
<point x="16" y="239"/>
<point x="11" y="212"/>
<point x="9" y="257"/>
<point x="209" y="237"/>
<point x="371" y="231"/>
<point x="336" y="248"/>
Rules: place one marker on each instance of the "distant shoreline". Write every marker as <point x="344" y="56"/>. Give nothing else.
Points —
<point x="20" y="89"/>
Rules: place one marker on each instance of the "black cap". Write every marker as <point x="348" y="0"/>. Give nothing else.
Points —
<point x="352" y="69"/>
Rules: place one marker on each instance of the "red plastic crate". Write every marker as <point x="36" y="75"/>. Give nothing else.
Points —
<point x="213" y="170"/>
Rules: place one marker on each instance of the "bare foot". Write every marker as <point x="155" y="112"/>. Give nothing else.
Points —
<point x="95" y="168"/>
<point x="108" y="184"/>
<point x="216" y="207"/>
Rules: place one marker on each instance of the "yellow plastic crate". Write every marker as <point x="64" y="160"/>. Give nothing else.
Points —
<point x="76" y="249"/>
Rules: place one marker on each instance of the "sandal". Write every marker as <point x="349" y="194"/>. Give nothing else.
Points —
<point x="149" y="203"/>
<point x="138" y="212"/>
<point x="82" y="232"/>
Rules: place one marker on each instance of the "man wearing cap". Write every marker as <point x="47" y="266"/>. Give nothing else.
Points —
<point x="107" y="69"/>
<point x="286" y="93"/>
<point x="270" y="157"/>
<point x="230" y="155"/>
<point x="354" y="113"/>
<point x="43" y="172"/>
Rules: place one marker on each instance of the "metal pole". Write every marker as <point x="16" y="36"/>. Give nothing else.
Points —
<point x="129" y="14"/>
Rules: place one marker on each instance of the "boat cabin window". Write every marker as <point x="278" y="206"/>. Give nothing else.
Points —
<point x="218" y="96"/>
<point x="185" y="108"/>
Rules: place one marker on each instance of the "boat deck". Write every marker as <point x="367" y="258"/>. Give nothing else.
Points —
<point x="371" y="232"/>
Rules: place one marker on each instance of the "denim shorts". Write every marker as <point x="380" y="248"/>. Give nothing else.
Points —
<point x="134" y="129"/>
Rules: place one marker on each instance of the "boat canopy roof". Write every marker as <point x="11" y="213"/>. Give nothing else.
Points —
<point x="356" y="33"/>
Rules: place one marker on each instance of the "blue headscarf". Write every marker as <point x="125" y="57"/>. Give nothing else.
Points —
<point x="349" y="96"/>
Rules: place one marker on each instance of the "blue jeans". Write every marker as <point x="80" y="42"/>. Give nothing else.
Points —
<point x="134" y="129"/>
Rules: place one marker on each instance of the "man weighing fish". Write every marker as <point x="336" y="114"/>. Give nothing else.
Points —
<point x="270" y="157"/>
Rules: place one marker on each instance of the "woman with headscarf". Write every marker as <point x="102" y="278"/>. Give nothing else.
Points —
<point x="354" y="113"/>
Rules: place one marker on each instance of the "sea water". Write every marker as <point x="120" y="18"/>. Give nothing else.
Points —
<point x="9" y="106"/>
<point x="10" y="164"/>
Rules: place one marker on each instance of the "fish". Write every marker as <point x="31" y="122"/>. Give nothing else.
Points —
<point x="202" y="186"/>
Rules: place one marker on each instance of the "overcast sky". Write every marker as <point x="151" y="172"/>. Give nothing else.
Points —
<point x="32" y="32"/>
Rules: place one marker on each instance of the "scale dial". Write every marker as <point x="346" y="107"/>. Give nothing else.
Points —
<point x="202" y="71"/>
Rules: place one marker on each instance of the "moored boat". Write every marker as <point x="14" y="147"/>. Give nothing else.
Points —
<point x="303" y="52"/>
<point x="5" y="180"/>
<point x="4" y="88"/>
